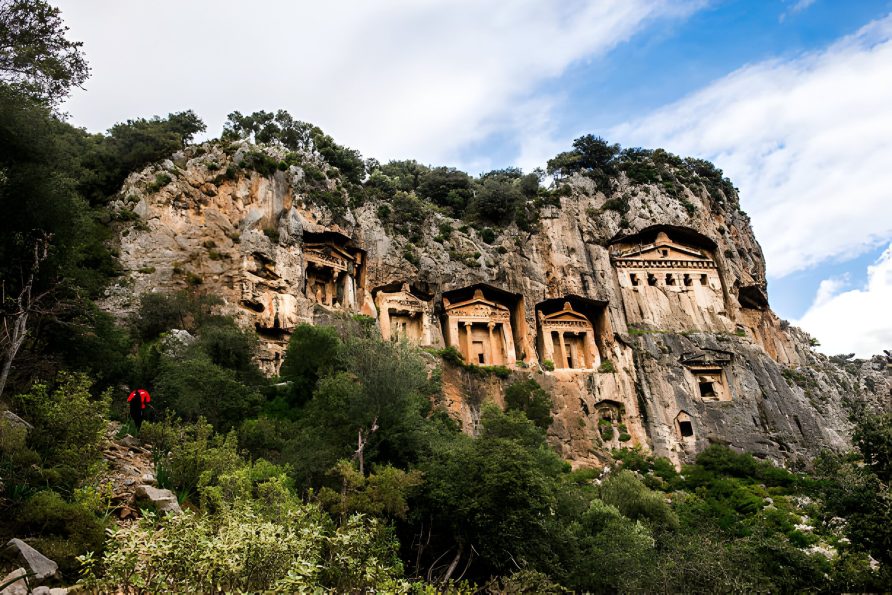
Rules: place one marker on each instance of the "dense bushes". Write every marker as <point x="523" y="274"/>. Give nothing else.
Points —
<point x="530" y="398"/>
<point x="69" y="426"/>
<point x="241" y="549"/>
<point x="365" y="482"/>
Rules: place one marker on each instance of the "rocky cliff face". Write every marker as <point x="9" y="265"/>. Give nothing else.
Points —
<point x="648" y="323"/>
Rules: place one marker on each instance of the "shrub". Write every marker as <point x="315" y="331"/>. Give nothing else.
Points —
<point x="160" y="312"/>
<point x="548" y="365"/>
<point x="499" y="371"/>
<point x="411" y="256"/>
<point x="160" y="181"/>
<point x="312" y="352"/>
<point x="453" y="356"/>
<point x="194" y="386"/>
<point x="71" y="426"/>
<point x="260" y="162"/>
<point x="191" y="456"/>
<point x="606" y="367"/>
<point x="625" y="491"/>
<point x="488" y="235"/>
<point x="530" y="398"/>
<point x="619" y="204"/>
<point x="237" y="550"/>
<point x="229" y="346"/>
<point x="65" y="529"/>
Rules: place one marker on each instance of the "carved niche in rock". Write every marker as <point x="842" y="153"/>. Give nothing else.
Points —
<point x="684" y="426"/>
<point x="404" y="314"/>
<point x="611" y="423"/>
<point x="480" y="326"/>
<point x="663" y="262"/>
<point x="334" y="270"/>
<point x="706" y="371"/>
<point x="570" y="334"/>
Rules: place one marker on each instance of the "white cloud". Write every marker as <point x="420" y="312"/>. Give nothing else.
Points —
<point x="856" y="320"/>
<point x="393" y="78"/>
<point x="808" y="141"/>
<point x="799" y="6"/>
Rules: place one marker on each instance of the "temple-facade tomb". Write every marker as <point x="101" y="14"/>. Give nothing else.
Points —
<point x="567" y="336"/>
<point x="479" y="326"/>
<point x="404" y="314"/>
<point x="665" y="263"/>
<point x="333" y="270"/>
<point x="706" y="371"/>
<point x="669" y="279"/>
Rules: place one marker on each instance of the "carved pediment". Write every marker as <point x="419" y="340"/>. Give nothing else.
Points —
<point x="402" y="301"/>
<point x="712" y="358"/>
<point x="566" y="319"/>
<point x="479" y="310"/>
<point x="328" y="255"/>
<point x="662" y="252"/>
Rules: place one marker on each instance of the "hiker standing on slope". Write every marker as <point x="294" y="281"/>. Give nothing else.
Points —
<point x="138" y="400"/>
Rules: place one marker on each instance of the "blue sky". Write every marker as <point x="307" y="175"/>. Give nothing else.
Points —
<point x="792" y="98"/>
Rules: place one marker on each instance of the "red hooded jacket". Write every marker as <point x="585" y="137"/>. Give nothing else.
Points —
<point x="143" y="396"/>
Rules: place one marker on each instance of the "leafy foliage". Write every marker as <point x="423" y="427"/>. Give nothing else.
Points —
<point x="530" y="398"/>
<point x="37" y="57"/>
<point x="72" y="425"/>
<point x="240" y="550"/>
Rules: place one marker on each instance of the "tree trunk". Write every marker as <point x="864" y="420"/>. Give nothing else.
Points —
<point x="13" y="338"/>
<point x="454" y="563"/>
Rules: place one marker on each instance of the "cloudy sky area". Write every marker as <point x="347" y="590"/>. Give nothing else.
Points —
<point x="791" y="98"/>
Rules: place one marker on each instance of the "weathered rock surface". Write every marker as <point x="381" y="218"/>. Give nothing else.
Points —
<point x="18" y="587"/>
<point x="32" y="561"/>
<point x="15" y="420"/>
<point x="163" y="501"/>
<point x="695" y="354"/>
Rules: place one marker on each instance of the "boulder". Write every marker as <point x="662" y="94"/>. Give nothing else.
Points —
<point x="175" y="341"/>
<point x="32" y="560"/>
<point x="163" y="501"/>
<point x="13" y="586"/>
<point x="15" y="420"/>
<point x="48" y="591"/>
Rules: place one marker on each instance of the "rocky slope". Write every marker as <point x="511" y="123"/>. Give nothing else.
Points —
<point x="683" y="358"/>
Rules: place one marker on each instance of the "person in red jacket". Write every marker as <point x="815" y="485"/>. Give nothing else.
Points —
<point x="138" y="400"/>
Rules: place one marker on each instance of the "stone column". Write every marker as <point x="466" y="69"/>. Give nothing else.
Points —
<point x="468" y="343"/>
<point x="426" y="338"/>
<point x="493" y="347"/>
<point x="562" y="352"/>
<point x="349" y="291"/>
<point x="547" y="345"/>
<point x="452" y="331"/>
<point x="510" y="353"/>
<point x="593" y="358"/>
<point x="329" y="291"/>
<point x="384" y="319"/>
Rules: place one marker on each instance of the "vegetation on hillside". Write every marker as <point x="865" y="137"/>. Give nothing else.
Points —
<point x="346" y="473"/>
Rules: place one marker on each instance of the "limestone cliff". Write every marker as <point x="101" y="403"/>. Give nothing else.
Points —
<point x="648" y="324"/>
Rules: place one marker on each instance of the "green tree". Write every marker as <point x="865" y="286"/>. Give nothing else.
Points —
<point x="311" y="354"/>
<point x="447" y="187"/>
<point x="130" y="146"/>
<point x="530" y="398"/>
<point x="71" y="424"/>
<point x="194" y="386"/>
<point x="497" y="200"/>
<point x="35" y="54"/>
<point x="490" y="499"/>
